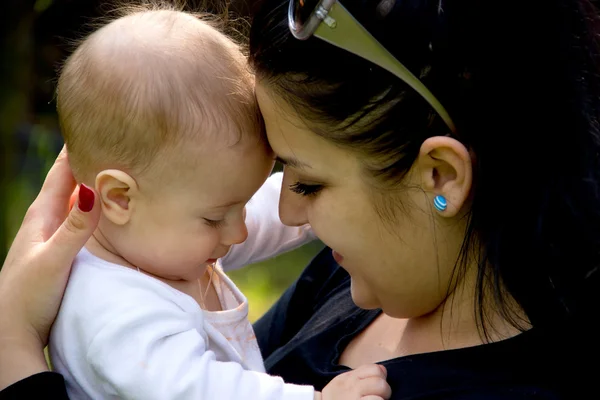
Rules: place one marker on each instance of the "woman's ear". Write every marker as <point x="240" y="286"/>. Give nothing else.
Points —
<point x="446" y="170"/>
<point x="118" y="191"/>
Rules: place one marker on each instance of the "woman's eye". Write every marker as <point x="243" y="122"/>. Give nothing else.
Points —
<point x="213" y="223"/>
<point x="304" y="189"/>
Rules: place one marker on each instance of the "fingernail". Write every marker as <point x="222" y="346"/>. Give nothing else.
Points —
<point x="86" y="198"/>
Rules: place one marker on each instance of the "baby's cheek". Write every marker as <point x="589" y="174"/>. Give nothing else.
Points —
<point x="201" y="246"/>
<point x="210" y="243"/>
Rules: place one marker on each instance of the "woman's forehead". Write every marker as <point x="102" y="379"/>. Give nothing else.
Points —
<point x="295" y="144"/>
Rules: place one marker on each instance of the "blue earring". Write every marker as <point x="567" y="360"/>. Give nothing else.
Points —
<point x="440" y="203"/>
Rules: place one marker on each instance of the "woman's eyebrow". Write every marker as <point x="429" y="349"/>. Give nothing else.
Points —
<point x="292" y="162"/>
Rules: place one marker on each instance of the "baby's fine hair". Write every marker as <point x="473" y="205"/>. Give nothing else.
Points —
<point x="153" y="80"/>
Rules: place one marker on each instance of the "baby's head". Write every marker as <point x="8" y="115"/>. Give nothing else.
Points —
<point x="158" y="113"/>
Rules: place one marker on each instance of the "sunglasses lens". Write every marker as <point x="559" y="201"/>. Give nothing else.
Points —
<point x="303" y="9"/>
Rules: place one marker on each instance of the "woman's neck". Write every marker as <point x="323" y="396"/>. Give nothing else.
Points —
<point x="453" y="325"/>
<point x="456" y="323"/>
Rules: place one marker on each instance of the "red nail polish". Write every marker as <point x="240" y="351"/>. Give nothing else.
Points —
<point x="86" y="198"/>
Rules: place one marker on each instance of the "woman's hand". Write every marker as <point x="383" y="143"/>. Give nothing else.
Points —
<point x="36" y="270"/>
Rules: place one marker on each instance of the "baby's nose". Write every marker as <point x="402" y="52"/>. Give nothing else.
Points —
<point x="236" y="235"/>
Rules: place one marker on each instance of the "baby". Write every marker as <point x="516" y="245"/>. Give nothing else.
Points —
<point x="158" y="114"/>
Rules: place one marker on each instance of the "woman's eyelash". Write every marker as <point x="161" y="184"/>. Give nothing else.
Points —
<point x="213" y="223"/>
<point x="304" y="189"/>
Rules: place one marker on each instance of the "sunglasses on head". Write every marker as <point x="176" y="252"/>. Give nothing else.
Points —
<point x="330" y="21"/>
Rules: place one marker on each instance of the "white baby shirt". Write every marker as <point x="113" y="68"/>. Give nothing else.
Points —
<point x="123" y="334"/>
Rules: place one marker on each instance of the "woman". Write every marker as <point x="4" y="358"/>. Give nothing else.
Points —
<point x="461" y="201"/>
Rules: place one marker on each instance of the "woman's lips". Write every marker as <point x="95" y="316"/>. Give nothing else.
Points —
<point x="337" y="256"/>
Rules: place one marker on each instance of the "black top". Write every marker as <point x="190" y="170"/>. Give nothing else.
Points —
<point x="46" y="385"/>
<point x="304" y="333"/>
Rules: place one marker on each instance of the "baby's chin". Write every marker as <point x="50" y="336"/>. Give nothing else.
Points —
<point x="192" y="273"/>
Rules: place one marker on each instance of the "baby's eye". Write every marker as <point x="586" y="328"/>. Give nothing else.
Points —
<point x="213" y="223"/>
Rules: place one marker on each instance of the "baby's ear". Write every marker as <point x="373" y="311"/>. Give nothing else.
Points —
<point x="118" y="191"/>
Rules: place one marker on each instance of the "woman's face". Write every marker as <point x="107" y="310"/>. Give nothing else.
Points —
<point x="399" y="261"/>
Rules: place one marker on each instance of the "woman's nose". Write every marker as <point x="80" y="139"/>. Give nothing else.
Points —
<point x="292" y="208"/>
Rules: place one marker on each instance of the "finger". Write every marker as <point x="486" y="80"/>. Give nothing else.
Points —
<point x="373" y="398"/>
<point x="75" y="231"/>
<point x="371" y="370"/>
<point x="53" y="199"/>
<point x="73" y="198"/>
<point x="374" y="386"/>
<point x="58" y="176"/>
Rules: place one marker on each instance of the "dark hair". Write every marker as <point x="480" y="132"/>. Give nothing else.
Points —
<point x="522" y="86"/>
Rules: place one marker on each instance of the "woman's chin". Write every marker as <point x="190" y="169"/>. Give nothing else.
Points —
<point x="362" y="297"/>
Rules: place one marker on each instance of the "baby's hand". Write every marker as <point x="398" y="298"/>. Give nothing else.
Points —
<point x="365" y="383"/>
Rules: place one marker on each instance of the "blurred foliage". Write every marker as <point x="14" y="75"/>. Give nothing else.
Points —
<point x="35" y="37"/>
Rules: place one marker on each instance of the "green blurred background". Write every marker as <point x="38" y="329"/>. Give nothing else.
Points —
<point x="36" y="36"/>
